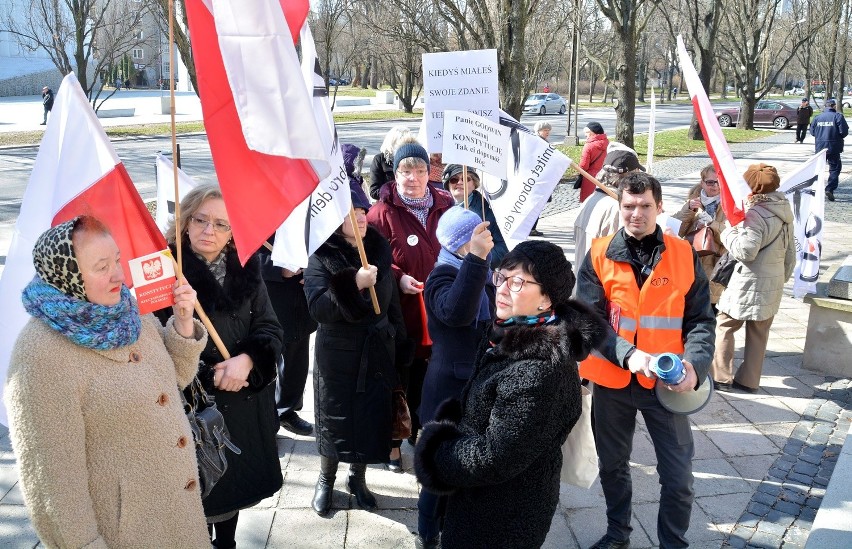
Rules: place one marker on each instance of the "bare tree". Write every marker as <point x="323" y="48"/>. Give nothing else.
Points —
<point x="748" y="29"/>
<point x="181" y="36"/>
<point x="628" y="19"/>
<point x="82" y="36"/>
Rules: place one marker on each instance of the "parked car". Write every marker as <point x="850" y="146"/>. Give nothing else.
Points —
<point x="545" y="103"/>
<point x="774" y="113"/>
<point x="794" y="91"/>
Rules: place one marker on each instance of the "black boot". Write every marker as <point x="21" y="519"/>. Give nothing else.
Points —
<point x="325" y="486"/>
<point x="358" y="486"/>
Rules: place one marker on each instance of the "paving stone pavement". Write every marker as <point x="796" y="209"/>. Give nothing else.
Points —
<point x="761" y="465"/>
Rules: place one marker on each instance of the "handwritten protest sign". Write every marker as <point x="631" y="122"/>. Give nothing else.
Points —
<point x="472" y="140"/>
<point x="462" y="81"/>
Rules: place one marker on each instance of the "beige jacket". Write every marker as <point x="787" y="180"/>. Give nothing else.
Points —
<point x="105" y="450"/>
<point x="766" y="262"/>
<point x="690" y="223"/>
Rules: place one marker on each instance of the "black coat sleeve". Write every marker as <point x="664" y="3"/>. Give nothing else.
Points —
<point x="263" y="342"/>
<point x="699" y="323"/>
<point x="334" y="298"/>
<point x="519" y="428"/>
<point x="377" y="176"/>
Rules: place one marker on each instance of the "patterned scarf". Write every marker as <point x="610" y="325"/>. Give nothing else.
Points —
<point x="520" y="322"/>
<point x="710" y="203"/>
<point x="418" y="206"/>
<point x="89" y="325"/>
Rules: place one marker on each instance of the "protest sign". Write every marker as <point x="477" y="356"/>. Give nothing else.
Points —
<point x="459" y="80"/>
<point x="472" y="140"/>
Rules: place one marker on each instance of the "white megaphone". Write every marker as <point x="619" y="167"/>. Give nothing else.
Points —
<point x="670" y="370"/>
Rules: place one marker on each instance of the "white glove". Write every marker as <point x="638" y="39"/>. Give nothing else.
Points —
<point x="640" y="363"/>
<point x="705" y="217"/>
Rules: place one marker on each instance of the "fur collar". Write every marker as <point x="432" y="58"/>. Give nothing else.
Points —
<point x="240" y="282"/>
<point x="337" y="254"/>
<point x="578" y="330"/>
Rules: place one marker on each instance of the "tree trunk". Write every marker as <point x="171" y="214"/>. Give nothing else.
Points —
<point x="746" y="121"/>
<point x="625" y="111"/>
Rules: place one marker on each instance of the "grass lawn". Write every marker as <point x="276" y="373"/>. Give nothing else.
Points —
<point x="670" y="144"/>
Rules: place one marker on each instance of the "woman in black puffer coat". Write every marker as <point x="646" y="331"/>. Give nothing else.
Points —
<point x="235" y="299"/>
<point x="497" y="452"/>
<point x="355" y="365"/>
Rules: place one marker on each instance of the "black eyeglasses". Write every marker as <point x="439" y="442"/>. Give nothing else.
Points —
<point x="711" y="182"/>
<point x="201" y="223"/>
<point x="515" y="282"/>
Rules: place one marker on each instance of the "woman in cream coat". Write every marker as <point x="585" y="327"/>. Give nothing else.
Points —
<point x="765" y="248"/>
<point x="105" y="450"/>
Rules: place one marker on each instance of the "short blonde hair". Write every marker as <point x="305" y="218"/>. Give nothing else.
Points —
<point x="191" y="204"/>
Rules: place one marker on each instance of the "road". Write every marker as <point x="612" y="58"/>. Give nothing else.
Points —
<point x="138" y="153"/>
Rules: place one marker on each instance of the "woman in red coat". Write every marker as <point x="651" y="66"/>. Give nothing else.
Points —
<point x="592" y="159"/>
<point x="407" y="215"/>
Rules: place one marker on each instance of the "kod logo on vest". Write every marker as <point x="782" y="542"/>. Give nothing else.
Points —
<point x="659" y="281"/>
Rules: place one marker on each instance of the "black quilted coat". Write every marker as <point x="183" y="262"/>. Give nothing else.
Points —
<point x="356" y="351"/>
<point x="498" y="451"/>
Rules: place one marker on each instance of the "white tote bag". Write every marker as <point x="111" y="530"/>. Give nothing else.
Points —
<point x="579" y="458"/>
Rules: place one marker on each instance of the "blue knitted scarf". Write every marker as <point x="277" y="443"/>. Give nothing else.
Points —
<point x="86" y="324"/>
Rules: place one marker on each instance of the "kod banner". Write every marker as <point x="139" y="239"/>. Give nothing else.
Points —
<point x="472" y="140"/>
<point x="461" y="81"/>
<point x="534" y="170"/>
<point x="805" y="189"/>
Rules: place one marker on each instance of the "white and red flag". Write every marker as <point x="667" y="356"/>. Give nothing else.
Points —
<point x="258" y="115"/>
<point x="732" y="186"/>
<point x="318" y="216"/>
<point x="166" y="190"/>
<point x="77" y="172"/>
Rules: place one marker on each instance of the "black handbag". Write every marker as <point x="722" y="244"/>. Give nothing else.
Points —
<point x="210" y="434"/>
<point x="724" y="269"/>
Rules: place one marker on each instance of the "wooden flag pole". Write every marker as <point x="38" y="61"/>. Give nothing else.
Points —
<point x="178" y="236"/>
<point x="211" y="330"/>
<point x="591" y="178"/>
<point x="360" y="245"/>
<point x="199" y="310"/>
<point x="464" y="184"/>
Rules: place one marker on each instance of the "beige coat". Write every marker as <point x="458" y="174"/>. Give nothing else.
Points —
<point x="690" y="223"/>
<point x="766" y="262"/>
<point x="105" y="450"/>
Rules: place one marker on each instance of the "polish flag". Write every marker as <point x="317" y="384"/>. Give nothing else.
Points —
<point x="258" y="116"/>
<point x="733" y="188"/>
<point x="76" y="172"/>
<point x="319" y="215"/>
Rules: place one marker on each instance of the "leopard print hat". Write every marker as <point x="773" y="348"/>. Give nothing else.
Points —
<point x="54" y="260"/>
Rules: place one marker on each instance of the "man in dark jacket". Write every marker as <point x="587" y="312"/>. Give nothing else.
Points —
<point x="803" y="118"/>
<point x="47" y="102"/>
<point x="654" y="291"/>
<point x="829" y="129"/>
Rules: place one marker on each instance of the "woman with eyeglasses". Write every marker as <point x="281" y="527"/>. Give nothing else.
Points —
<point x="235" y="299"/>
<point x="703" y="208"/>
<point x="497" y="450"/>
<point x="459" y="307"/>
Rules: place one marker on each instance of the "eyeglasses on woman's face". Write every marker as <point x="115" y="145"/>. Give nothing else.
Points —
<point x="515" y="283"/>
<point x="711" y="182"/>
<point x="202" y="223"/>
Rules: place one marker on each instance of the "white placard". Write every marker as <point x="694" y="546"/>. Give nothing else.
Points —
<point x="462" y="81"/>
<point x="472" y="140"/>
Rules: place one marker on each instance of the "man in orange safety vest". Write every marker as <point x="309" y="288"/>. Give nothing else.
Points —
<point x="652" y="289"/>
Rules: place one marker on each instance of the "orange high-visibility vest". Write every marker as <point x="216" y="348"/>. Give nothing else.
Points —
<point x="650" y="318"/>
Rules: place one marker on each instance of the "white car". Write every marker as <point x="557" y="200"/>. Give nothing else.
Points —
<point x="545" y="103"/>
<point x="794" y="91"/>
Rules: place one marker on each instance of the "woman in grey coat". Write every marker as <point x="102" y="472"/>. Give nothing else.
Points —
<point x="765" y="248"/>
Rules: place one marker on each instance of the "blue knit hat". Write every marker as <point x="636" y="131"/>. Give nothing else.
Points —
<point x="455" y="228"/>
<point x="409" y="150"/>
